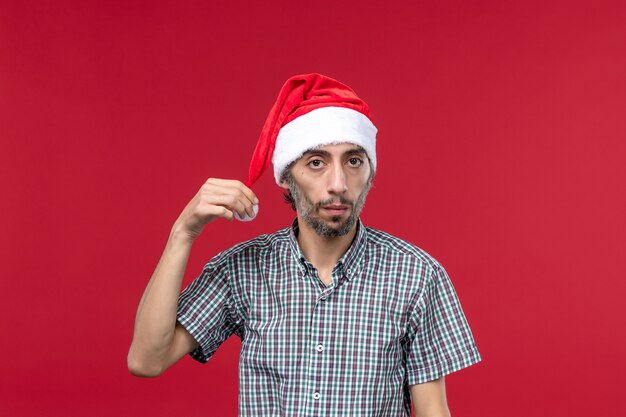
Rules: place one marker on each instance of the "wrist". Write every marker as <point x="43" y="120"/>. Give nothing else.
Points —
<point x="178" y="235"/>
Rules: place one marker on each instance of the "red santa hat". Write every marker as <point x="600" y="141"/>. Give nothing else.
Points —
<point x="311" y="110"/>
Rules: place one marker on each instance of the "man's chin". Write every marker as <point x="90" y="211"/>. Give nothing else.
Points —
<point x="335" y="222"/>
<point x="335" y="226"/>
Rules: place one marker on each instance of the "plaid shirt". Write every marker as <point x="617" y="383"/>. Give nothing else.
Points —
<point x="389" y="319"/>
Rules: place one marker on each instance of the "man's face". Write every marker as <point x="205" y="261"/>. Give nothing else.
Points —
<point x="329" y="185"/>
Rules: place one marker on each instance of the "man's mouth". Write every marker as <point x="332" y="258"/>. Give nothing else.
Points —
<point x="336" y="209"/>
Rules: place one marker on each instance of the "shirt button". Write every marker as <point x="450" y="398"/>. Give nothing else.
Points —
<point x="319" y="348"/>
<point x="316" y="396"/>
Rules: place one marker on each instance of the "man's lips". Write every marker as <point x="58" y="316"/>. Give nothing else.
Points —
<point x="336" y="209"/>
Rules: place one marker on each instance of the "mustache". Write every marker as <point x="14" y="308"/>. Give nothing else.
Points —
<point x="338" y="200"/>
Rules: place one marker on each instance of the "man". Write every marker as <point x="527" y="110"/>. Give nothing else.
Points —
<point x="335" y="318"/>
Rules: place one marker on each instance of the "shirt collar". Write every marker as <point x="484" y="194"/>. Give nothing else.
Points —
<point x="351" y="261"/>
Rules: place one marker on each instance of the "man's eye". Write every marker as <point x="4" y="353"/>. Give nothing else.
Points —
<point x="315" y="163"/>
<point x="355" y="162"/>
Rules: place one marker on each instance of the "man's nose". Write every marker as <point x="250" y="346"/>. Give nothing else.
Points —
<point x="337" y="182"/>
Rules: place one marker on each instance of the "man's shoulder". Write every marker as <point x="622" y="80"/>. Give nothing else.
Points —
<point x="393" y="245"/>
<point x="262" y="242"/>
<point x="252" y="248"/>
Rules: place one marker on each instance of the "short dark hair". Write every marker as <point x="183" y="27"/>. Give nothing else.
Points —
<point x="287" y="197"/>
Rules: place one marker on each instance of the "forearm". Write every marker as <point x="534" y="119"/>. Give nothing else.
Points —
<point x="155" y="320"/>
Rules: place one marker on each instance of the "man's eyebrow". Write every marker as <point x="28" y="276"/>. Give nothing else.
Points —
<point x="357" y="150"/>
<point x="322" y="152"/>
<point x="316" y="152"/>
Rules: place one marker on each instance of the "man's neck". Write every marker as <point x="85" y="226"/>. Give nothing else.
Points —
<point x="322" y="252"/>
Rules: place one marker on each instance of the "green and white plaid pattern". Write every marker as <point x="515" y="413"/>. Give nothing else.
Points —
<point x="389" y="319"/>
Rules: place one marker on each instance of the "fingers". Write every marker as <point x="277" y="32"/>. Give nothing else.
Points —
<point x="234" y="184"/>
<point x="216" y="198"/>
<point x="229" y="201"/>
<point x="207" y="211"/>
<point x="231" y="193"/>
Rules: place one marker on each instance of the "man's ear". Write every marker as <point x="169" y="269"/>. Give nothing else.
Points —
<point x="284" y="184"/>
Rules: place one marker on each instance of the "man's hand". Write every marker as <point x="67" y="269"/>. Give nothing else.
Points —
<point x="216" y="198"/>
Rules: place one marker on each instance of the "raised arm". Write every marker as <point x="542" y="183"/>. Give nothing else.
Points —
<point x="158" y="340"/>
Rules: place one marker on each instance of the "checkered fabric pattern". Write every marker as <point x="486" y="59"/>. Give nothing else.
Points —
<point x="389" y="319"/>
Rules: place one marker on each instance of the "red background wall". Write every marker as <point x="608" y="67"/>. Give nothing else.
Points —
<point x="501" y="147"/>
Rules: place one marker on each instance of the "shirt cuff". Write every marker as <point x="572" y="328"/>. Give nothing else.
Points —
<point x="462" y="360"/>
<point x="199" y="353"/>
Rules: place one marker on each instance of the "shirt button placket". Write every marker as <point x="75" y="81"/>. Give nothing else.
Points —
<point x="316" y="360"/>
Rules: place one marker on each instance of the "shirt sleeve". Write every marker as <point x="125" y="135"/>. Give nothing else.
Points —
<point x="439" y="338"/>
<point x="206" y="310"/>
